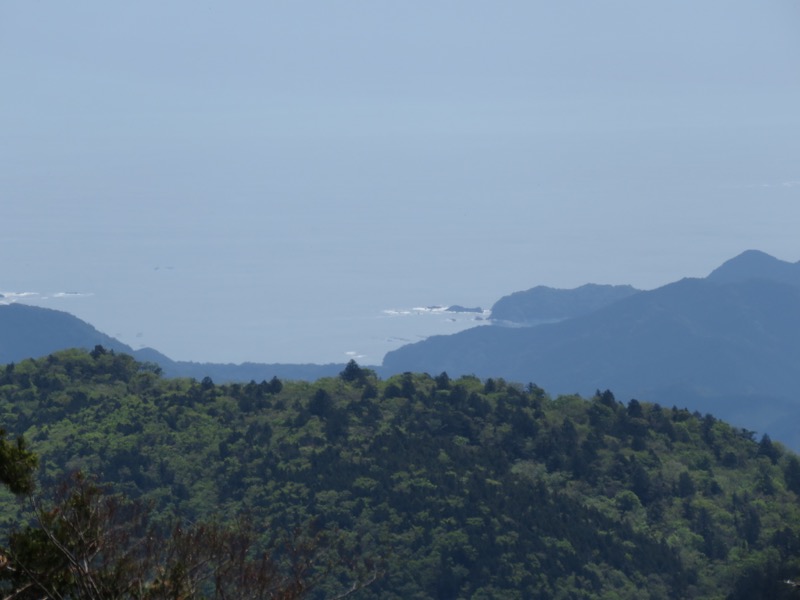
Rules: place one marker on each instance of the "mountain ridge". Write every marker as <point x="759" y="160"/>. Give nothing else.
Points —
<point x="31" y="331"/>
<point x="725" y="344"/>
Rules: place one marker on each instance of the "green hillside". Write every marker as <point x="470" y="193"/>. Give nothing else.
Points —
<point x="460" y="488"/>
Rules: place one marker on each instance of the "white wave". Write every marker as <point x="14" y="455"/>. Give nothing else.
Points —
<point x="396" y="313"/>
<point x="73" y="294"/>
<point x="779" y="184"/>
<point x="453" y="315"/>
<point x="11" y="297"/>
<point x="429" y="309"/>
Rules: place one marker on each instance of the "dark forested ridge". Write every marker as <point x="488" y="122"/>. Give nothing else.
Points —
<point x="32" y="331"/>
<point x="460" y="488"/>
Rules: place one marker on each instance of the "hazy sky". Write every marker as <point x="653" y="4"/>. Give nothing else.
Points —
<point x="244" y="181"/>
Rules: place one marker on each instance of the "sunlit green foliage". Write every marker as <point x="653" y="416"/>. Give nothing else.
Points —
<point x="466" y="488"/>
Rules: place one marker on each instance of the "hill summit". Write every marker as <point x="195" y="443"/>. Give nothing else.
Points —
<point x="754" y="264"/>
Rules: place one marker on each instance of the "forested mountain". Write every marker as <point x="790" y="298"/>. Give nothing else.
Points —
<point x="458" y="488"/>
<point x="30" y="332"/>
<point x="727" y="344"/>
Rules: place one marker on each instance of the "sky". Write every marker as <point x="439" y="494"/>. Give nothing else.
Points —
<point x="260" y="181"/>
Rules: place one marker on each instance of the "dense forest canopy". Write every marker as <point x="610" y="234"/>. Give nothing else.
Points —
<point x="458" y="488"/>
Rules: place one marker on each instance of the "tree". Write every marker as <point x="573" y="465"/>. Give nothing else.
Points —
<point x="442" y="381"/>
<point x="766" y="448"/>
<point x="321" y="404"/>
<point x="792" y="474"/>
<point x="635" y="409"/>
<point x="17" y="465"/>
<point x="686" y="485"/>
<point x="275" y="385"/>
<point x="607" y="398"/>
<point x="352" y="373"/>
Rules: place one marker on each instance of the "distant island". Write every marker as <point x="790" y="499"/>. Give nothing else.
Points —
<point x="457" y="308"/>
